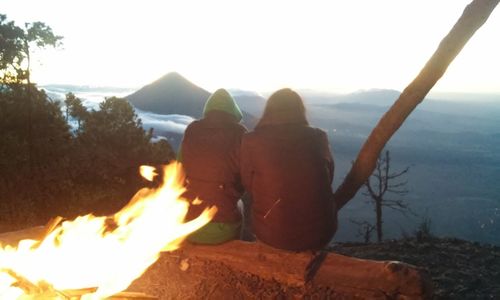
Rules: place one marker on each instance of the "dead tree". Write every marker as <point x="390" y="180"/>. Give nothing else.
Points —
<point x="365" y="230"/>
<point x="386" y="182"/>
<point x="473" y="17"/>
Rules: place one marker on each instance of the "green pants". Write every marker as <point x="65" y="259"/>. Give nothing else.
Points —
<point x="216" y="233"/>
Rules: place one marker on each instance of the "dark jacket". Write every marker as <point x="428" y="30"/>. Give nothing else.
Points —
<point x="288" y="169"/>
<point x="210" y="156"/>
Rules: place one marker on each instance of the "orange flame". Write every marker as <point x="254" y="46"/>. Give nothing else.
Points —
<point x="148" y="172"/>
<point x="90" y="253"/>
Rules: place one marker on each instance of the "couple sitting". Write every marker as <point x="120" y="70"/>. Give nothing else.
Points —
<point x="284" y="164"/>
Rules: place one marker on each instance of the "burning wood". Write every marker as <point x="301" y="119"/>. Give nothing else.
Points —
<point x="88" y="259"/>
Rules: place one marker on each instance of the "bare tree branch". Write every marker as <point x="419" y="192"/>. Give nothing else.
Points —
<point x="394" y="175"/>
<point x="399" y="192"/>
<point x="365" y="229"/>
<point x="393" y="186"/>
<point x="371" y="193"/>
<point x="473" y="17"/>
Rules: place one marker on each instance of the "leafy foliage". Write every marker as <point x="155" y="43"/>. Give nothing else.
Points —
<point x="15" y="46"/>
<point x="30" y="156"/>
<point x="75" y="109"/>
<point x="48" y="170"/>
<point x="60" y="173"/>
<point x="110" y="147"/>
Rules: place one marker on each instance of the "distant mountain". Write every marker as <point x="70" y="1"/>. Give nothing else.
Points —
<point x="174" y="94"/>
<point x="466" y="105"/>
<point x="171" y="94"/>
<point x="249" y="101"/>
<point x="374" y="96"/>
<point x="381" y="97"/>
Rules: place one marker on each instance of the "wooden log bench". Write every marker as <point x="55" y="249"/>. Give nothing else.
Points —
<point x="244" y="270"/>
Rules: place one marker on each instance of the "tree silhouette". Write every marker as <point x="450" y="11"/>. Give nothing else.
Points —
<point x="385" y="182"/>
<point x="365" y="229"/>
<point x="15" y="61"/>
<point x="31" y="159"/>
<point x="75" y="109"/>
<point x="16" y="44"/>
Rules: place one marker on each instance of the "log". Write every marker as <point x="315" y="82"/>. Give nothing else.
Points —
<point x="12" y="238"/>
<point x="245" y="270"/>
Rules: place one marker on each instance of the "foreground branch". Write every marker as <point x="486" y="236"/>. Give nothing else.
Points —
<point x="473" y="17"/>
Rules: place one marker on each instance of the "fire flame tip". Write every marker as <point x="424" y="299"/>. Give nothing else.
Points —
<point x="148" y="172"/>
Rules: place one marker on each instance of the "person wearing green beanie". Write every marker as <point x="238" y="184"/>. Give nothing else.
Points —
<point x="210" y="155"/>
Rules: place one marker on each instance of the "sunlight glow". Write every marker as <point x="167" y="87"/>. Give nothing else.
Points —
<point x="258" y="45"/>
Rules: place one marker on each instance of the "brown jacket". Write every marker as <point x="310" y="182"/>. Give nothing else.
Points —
<point x="288" y="169"/>
<point x="210" y="156"/>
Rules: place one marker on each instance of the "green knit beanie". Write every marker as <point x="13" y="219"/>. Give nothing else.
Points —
<point x="222" y="100"/>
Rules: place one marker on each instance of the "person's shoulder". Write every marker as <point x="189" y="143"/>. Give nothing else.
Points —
<point x="317" y="132"/>
<point x="193" y="125"/>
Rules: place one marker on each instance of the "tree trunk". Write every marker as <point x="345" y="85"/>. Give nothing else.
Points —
<point x="473" y="17"/>
<point x="378" y="208"/>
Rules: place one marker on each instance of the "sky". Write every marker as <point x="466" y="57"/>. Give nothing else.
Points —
<point x="259" y="45"/>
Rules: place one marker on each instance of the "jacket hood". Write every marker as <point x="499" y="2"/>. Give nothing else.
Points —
<point x="284" y="106"/>
<point x="283" y="117"/>
<point x="221" y="100"/>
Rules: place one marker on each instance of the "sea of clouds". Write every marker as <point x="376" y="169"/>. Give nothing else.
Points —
<point x="91" y="97"/>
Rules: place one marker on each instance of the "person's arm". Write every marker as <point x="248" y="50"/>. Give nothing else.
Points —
<point x="327" y="154"/>
<point x="237" y="160"/>
<point x="246" y="168"/>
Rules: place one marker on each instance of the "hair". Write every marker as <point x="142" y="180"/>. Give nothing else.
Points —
<point x="284" y="106"/>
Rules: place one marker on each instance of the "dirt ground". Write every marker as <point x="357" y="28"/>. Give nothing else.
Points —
<point x="459" y="269"/>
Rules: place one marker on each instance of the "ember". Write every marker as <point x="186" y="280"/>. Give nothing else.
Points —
<point x="94" y="259"/>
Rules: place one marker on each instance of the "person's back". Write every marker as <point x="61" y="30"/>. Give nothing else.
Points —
<point x="288" y="168"/>
<point x="210" y="156"/>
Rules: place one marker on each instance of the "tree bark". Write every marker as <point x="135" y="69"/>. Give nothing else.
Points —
<point x="473" y="17"/>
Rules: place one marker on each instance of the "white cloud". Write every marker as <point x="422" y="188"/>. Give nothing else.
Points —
<point x="165" y="123"/>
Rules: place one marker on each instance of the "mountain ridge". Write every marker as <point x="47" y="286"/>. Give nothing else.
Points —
<point x="164" y="96"/>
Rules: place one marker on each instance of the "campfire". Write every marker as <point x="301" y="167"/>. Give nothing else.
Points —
<point x="97" y="257"/>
